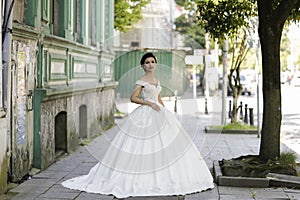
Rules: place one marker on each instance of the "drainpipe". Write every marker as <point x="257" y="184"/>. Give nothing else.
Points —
<point x="6" y="48"/>
<point x="2" y="113"/>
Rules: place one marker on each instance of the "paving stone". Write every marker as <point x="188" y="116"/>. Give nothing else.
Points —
<point x="63" y="167"/>
<point x="292" y="194"/>
<point x="26" y="188"/>
<point x="25" y="196"/>
<point x="154" y="198"/>
<point x="48" y="174"/>
<point x="59" y="195"/>
<point x="91" y="159"/>
<point x="209" y="194"/>
<point x="235" y="197"/>
<point x="223" y="190"/>
<point x="90" y="196"/>
<point x="269" y="193"/>
<point x="34" y="185"/>
<point x="61" y="189"/>
<point x="82" y="169"/>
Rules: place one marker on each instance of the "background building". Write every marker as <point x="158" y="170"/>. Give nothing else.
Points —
<point x="155" y="30"/>
<point x="59" y="84"/>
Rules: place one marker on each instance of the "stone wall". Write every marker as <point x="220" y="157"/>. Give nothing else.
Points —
<point x="99" y="104"/>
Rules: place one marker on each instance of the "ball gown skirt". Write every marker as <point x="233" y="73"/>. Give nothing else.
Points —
<point x="151" y="155"/>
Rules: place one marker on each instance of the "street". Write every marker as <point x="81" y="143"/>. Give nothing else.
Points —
<point x="290" y="125"/>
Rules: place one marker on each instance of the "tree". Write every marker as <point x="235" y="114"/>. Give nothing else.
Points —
<point x="192" y="31"/>
<point x="239" y="51"/>
<point x="273" y="14"/>
<point x="187" y="24"/>
<point x="230" y="19"/>
<point x="127" y="13"/>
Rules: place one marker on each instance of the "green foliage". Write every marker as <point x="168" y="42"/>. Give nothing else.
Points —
<point x="295" y="13"/>
<point x="285" y="51"/>
<point x="288" y="158"/>
<point x="225" y="17"/>
<point x="195" y="34"/>
<point x="127" y="13"/>
<point x="187" y="24"/>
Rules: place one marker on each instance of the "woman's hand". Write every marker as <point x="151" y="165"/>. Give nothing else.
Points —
<point x="155" y="106"/>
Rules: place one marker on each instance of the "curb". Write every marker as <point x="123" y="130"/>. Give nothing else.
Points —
<point x="281" y="180"/>
<point x="237" y="181"/>
<point x="272" y="179"/>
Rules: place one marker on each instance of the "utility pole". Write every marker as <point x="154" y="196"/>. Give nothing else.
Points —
<point x="224" y="88"/>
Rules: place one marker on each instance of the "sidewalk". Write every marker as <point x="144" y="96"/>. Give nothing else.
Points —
<point x="47" y="184"/>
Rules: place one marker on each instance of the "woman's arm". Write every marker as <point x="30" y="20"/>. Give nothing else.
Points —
<point x="135" y="98"/>
<point x="160" y="100"/>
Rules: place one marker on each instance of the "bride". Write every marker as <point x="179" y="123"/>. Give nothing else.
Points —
<point x="151" y="155"/>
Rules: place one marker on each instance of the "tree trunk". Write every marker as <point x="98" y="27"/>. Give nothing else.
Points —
<point x="270" y="134"/>
<point x="270" y="35"/>
<point x="234" y="112"/>
<point x="235" y="85"/>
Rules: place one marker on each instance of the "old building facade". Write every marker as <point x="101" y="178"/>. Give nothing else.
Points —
<point x="60" y="87"/>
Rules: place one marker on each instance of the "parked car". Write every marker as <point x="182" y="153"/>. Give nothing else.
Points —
<point x="248" y="85"/>
<point x="220" y="86"/>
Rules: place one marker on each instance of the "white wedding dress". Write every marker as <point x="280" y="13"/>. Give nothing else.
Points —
<point x="151" y="155"/>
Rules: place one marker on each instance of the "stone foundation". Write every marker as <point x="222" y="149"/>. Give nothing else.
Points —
<point x="69" y="117"/>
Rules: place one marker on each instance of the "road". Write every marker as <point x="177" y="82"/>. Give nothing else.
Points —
<point x="290" y="126"/>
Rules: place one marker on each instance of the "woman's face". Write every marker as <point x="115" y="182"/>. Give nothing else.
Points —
<point x="149" y="64"/>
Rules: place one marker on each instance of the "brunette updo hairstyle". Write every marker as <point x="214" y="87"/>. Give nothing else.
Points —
<point x="145" y="56"/>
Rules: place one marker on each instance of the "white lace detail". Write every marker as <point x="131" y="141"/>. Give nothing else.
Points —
<point x="150" y="92"/>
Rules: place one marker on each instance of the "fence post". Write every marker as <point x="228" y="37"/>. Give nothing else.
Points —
<point x="206" y="111"/>
<point x="251" y="116"/>
<point x="246" y="114"/>
<point x="175" y="105"/>
<point x="241" y="110"/>
<point x="229" y="112"/>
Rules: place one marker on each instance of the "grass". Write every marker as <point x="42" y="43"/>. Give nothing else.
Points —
<point x="119" y="114"/>
<point x="288" y="158"/>
<point x="234" y="126"/>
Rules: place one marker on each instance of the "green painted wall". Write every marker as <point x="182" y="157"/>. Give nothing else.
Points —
<point x="63" y="45"/>
<point x="170" y="71"/>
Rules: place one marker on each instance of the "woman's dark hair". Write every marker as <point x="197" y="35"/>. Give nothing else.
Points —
<point x="145" y="56"/>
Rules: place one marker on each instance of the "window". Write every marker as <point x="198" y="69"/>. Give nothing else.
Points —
<point x="58" y="18"/>
<point x="77" y="20"/>
<point x="92" y="25"/>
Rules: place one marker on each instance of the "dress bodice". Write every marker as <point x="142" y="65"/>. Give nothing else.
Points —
<point x="150" y="91"/>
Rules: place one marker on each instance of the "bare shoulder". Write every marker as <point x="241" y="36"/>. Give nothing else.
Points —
<point x="143" y="78"/>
